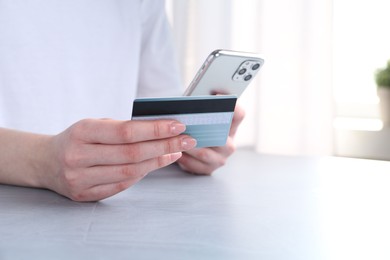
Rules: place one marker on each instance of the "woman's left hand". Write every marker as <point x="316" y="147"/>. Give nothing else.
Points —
<point x="206" y="160"/>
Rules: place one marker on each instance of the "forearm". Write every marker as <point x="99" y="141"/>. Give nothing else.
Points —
<point x="24" y="158"/>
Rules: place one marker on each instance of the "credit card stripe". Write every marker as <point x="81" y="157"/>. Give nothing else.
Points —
<point x="143" y="107"/>
<point x="207" y="133"/>
<point x="216" y="129"/>
<point x="193" y="119"/>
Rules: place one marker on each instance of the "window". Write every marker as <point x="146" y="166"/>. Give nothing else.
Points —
<point x="361" y="44"/>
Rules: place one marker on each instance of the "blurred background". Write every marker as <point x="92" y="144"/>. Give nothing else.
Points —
<point x="316" y="94"/>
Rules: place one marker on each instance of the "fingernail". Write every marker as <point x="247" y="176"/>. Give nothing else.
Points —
<point x="188" y="143"/>
<point x="177" y="128"/>
<point x="175" y="156"/>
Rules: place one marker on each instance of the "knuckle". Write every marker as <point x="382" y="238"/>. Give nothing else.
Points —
<point x="133" y="152"/>
<point x="72" y="159"/>
<point x="231" y="148"/>
<point x="161" y="161"/>
<point x="203" y="154"/>
<point x="74" y="196"/>
<point x="125" y="132"/>
<point x="157" y="127"/>
<point x="79" y="128"/>
<point x="121" y="186"/>
<point x="164" y="160"/>
<point x="70" y="181"/>
<point x="168" y="146"/>
<point x="84" y="123"/>
<point x="129" y="172"/>
<point x="74" y="132"/>
<point x="161" y="129"/>
<point x="77" y="196"/>
<point x="68" y="160"/>
<point x="241" y="114"/>
<point x="71" y="185"/>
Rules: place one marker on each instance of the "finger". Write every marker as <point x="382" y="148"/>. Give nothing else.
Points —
<point x="202" y="161"/>
<point x="98" y="154"/>
<point x="193" y="165"/>
<point x="206" y="160"/>
<point x="102" y="192"/>
<point x="118" y="132"/>
<point x="102" y="175"/>
<point x="228" y="149"/>
<point x="238" y="117"/>
<point x="108" y="190"/>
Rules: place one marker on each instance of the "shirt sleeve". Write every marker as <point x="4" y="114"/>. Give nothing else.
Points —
<point x="159" y="74"/>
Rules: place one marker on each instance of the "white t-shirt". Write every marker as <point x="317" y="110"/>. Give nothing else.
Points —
<point x="62" y="61"/>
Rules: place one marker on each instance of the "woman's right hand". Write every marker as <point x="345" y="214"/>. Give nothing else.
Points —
<point x="97" y="158"/>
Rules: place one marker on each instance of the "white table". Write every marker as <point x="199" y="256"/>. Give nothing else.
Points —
<point x="256" y="207"/>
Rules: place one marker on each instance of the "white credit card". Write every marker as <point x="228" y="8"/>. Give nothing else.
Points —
<point x="207" y="118"/>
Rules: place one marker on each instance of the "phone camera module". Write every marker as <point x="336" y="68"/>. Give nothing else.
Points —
<point x="247" y="77"/>
<point x="256" y="66"/>
<point x="246" y="70"/>
<point x="241" y="71"/>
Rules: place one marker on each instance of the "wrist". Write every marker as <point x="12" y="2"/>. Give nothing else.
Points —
<point x="42" y="162"/>
<point x="25" y="158"/>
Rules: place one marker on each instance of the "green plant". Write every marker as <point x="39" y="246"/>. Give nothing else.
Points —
<point x="382" y="76"/>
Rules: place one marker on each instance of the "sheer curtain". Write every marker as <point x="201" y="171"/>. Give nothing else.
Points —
<point x="289" y="105"/>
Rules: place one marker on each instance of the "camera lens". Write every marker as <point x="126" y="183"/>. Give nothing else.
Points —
<point x="248" y="77"/>
<point x="256" y="66"/>
<point x="241" y="71"/>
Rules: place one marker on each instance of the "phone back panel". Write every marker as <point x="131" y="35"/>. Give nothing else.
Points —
<point x="220" y="74"/>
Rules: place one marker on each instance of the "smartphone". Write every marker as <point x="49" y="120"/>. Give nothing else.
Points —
<point x="225" y="72"/>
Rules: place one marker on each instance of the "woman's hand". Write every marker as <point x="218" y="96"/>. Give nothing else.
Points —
<point x="207" y="160"/>
<point x="93" y="159"/>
